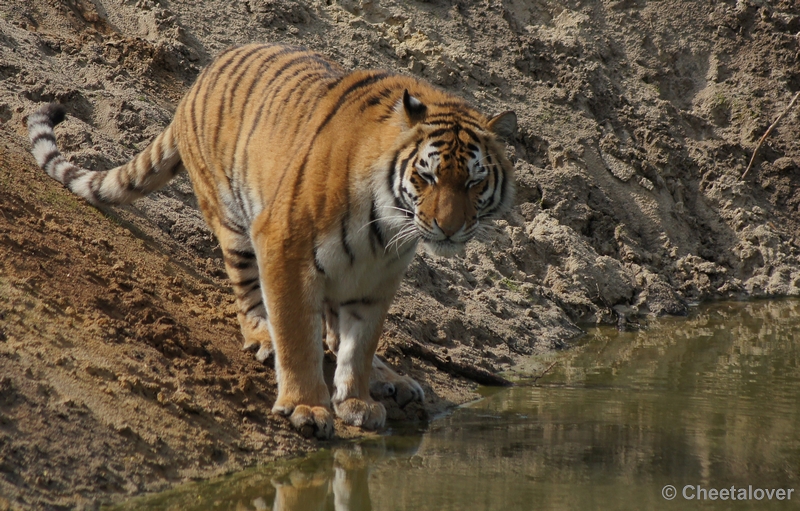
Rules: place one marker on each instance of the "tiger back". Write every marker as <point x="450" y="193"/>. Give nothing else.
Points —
<point x="319" y="185"/>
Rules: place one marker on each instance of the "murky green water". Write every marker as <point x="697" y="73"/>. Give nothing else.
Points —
<point x="712" y="401"/>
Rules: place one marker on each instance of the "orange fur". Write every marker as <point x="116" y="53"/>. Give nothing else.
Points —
<point x="319" y="184"/>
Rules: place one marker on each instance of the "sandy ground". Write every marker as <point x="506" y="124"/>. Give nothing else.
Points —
<point x="120" y="369"/>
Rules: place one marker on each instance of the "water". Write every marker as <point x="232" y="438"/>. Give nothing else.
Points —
<point x="710" y="401"/>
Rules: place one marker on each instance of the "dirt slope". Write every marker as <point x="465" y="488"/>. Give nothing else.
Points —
<point x="119" y="362"/>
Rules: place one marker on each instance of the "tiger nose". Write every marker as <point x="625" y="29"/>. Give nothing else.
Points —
<point x="447" y="228"/>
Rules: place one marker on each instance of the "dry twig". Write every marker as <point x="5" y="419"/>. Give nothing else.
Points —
<point x="536" y="378"/>
<point x="469" y="372"/>
<point x="766" y="134"/>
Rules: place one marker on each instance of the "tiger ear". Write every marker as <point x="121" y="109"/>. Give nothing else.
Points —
<point x="415" y="109"/>
<point x="503" y="125"/>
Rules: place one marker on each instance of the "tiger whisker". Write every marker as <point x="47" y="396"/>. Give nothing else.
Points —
<point x="403" y="230"/>
<point x="406" y="232"/>
<point x="403" y="240"/>
<point x="407" y="211"/>
<point x="378" y="220"/>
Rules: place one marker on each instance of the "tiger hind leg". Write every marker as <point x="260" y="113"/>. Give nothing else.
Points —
<point x="242" y="268"/>
<point x="385" y="383"/>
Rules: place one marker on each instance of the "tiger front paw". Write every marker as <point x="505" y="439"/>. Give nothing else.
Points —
<point x="308" y="420"/>
<point x="367" y="414"/>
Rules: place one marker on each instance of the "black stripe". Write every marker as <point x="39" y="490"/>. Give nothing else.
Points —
<point x="451" y="123"/>
<point x="334" y="83"/>
<point x="95" y="183"/>
<point x="238" y="83"/>
<point x="456" y="115"/>
<point x="439" y="132"/>
<point x="41" y="136"/>
<point x="359" y="301"/>
<point x="236" y="188"/>
<point x="238" y="229"/>
<point x="377" y="99"/>
<point x="290" y="101"/>
<point x="195" y="127"/>
<point x="245" y="283"/>
<point x="212" y="82"/>
<point x="317" y="264"/>
<point x="314" y="74"/>
<point x="342" y="98"/>
<point x="176" y="168"/>
<point x="242" y="295"/>
<point x="404" y="163"/>
<point x="347" y="249"/>
<point x="298" y="181"/>
<point x="69" y="174"/>
<point x="130" y="186"/>
<point x="213" y="78"/>
<point x="392" y="171"/>
<point x="239" y="265"/>
<point x="502" y="191"/>
<point x="457" y="105"/>
<point x="50" y="157"/>
<point x="373" y="101"/>
<point x="243" y="254"/>
<point x="364" y="82"/>
<point x="485" y="185"/>
<point x="55" y="113"/>
<point x="268" y="106"/>
<point x="122" y="184"/>
<point x="265" y="64"/>
<point x="252" y="307"/>
<point x="234" y="82"/>
<point x="374" y="227"/>
<point x="399" y="203"/>
<point x="470" y="133"/>
<point x="321" y="60"/>
<point x="311" y="74"/>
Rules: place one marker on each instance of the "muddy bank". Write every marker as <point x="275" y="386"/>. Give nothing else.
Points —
<point x="120" y="369"/>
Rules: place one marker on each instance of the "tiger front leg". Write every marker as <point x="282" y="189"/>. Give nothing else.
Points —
<point x="384" y="383"/>
<point x="294" y="301"/>
<point x="360" y="325"/>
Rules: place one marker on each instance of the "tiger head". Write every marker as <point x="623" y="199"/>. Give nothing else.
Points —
<point x="452" y="176"/>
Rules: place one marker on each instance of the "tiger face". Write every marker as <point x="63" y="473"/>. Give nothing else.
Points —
<point x="455" y="177"/>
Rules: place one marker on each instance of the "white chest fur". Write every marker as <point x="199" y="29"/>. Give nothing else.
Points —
<point x="360" y="261"/>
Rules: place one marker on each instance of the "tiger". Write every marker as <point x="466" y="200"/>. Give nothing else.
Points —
<point x="319" y="185"/>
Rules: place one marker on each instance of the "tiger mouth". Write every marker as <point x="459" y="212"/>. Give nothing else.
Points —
<point x="444" y="248"/>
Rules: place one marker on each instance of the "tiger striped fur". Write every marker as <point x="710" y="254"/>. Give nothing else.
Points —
<point x="319" y="185"/>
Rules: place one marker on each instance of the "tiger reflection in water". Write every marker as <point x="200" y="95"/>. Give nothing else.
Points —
<point x="340" y="482"/>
